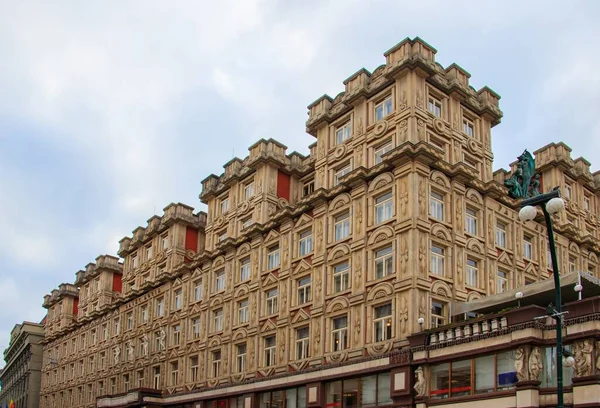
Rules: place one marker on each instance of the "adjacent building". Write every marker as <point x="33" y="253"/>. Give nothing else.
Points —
<point x="20" y="378"/>
<point x="303" y="283"/>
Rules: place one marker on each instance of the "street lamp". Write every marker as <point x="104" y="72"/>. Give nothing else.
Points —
<point x="551" y="203"/>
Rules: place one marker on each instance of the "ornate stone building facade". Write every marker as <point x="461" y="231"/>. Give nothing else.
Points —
<point x="311" y="268"/>
<point x="20" y="379"/>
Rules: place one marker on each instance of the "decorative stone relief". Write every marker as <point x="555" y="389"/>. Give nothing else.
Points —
<point x="380" y="128"/>
<point x="403" y="256"/>
<point x="421" y="129"/>
<point x="420" y="382"/>
<point x="582" y="352"/>
<point x="598" y="358"/>
<point x="403" y="131"/>
<point x="319" y="235"/>
<point x="317" y="337"/>
<point x="473" y="146"/>
<point x="359" y="127"/>
<point x="339" y="151"/>
<point x="520" y="364"/>
<point x="403" y="314"/>
<point x="419" y="99"/>
<point x="358" y="150"/>
<point x="357" y="329"/>
<point x="403" y="100"/>
<point x="439" y="126"/>
<point x="535" y="364"/>
<point x="358" y="270"/>
<point x="456" y="122"/>
<point x="117" y="354"/>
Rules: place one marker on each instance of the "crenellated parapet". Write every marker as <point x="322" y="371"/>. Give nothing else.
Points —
<point x="64" y="289"/>
<point x="260" y="153"/>
<point x="408" y="55"/>
<point x="93" y="270"/>
<point x="173" y="213"/>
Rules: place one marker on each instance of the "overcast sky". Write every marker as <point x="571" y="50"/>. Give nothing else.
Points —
<point x="110" y="110"/>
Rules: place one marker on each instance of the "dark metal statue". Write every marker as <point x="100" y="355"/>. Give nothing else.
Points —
<point x="524" y="183"/>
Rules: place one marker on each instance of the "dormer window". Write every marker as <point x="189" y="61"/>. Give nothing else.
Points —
<point x="468" y="128"/>
<point x="434" y="106"/>
<point x="224" y="205"/>
<point x="383" y="108"/>
<point x="249" y="191"/>
<point x="343" y="133"/>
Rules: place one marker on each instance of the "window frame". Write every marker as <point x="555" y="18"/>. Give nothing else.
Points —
<point x="343" y="132"/>
<point x="386" y="104"/>
<point x="383" y="207"/>
<point x="342" y="227"/>
<point x="385" y="321"/>
<point x="436" y="205"/>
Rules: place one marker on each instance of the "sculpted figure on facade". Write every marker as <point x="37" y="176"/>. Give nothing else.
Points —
<point x="117" y="354"/>
<point x="130" y="350"/>
<point x="535" y="364"/>
<point x="162" y="337"/>
<point x="403" y="314"/>
<point x="420" y="382"/>
<point x="583" y="358"/>
<point x="520" y="367"/>
<point x="145" y="344"/>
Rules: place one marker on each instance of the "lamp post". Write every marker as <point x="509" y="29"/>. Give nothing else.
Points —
<point x="551" y="203"/>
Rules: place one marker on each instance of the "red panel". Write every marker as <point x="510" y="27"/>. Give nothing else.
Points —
<point x="191" y="239"/>
<point x="75" y="306"/>
<point x="283" y="185"/>
<point x="117" y="283"/>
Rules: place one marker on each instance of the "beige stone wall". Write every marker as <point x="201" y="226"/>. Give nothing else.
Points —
<point x="429" y="156"/>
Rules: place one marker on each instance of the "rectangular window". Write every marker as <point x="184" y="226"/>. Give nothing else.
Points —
<point x="194" y="369"/>
<point x="174" y="372"/>
<point x="245" y="269"/>
<point x="341" y="277"/>
<point x="383" y="108"/>
<point x="484" y="374"/>
<point x="196" y="327"/>
<point x="270" y="350"/>
<point x="129" y="320"/>
<point x="381" y="150"/>
<point x="241" y="358"/>
<point x="342" y="226"/>
<point x="468" y="128"/>
<point x="198" y="290"/>
<point x="224" y="205"/>
<point x="222" y="237"/>
<point x="144" y="314"/>
<point x="567" y="191"/>
<point x="140" y="378"/>
<point x="383" y="208"/>
<point x="472" y="273"/>
<point x="271" y="302"/>
<point x="218" y="319"/>
<point x="116" y="326"/>
<point x="249" y="191"/>
<point x="220" y="280"/>
<point x="156" y="382"/>
<point x="164" y="242"/>
<point x="586" y="203"/>
<point x="113" y="386"/>
<point x="273" y="257"/>
<point x="308" y="188"/>
<point x="176" y="334"/>
<point x="434" y="106"/>
<point x="160" y="307"/>
<point x="437" y="260"/>
<point x="471" y="221"/>
<point x="436" y="206"/>
<point x="382" y="323"/>
<point x="572" y="264"/>
<point x="247" y="223"/>
<point x="104" y="331"/>
<point x="343" y="133"/>
<point x="302" y="343"/>
<point x="216" y="363"/>
<point x="304" y="285"/>
<point x="243" y="311"/>
<point x="527" y="247"/>
<point x="340" y="333"/>
<point x="148" y="252"/>
<point x="178" y="299"/>
<point x="501" y="235"/>
<point x="341" y="172"/>
<point x="384" y="262"/>
<point x="305" y="245"/>
<point x="501" y="282"/>
<point x="134" y="261"/>
<point x="438" y="314"/>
